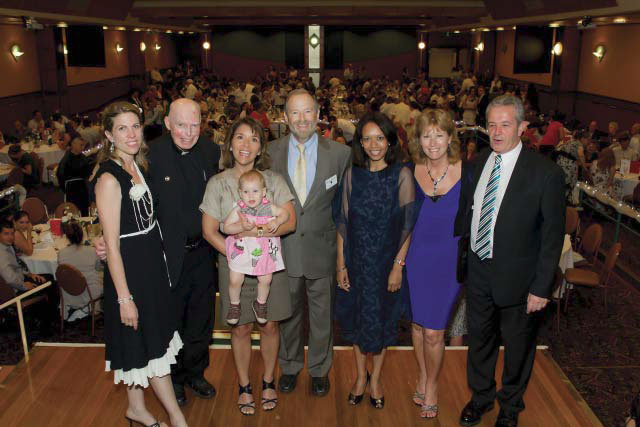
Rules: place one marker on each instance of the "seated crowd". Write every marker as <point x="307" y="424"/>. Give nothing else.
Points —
<point x="388" y="125"/>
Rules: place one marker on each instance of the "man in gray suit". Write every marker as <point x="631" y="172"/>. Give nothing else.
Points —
<point x="313" y="167"/>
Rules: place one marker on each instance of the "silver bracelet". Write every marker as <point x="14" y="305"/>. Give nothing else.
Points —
<point x="125" y="299"/>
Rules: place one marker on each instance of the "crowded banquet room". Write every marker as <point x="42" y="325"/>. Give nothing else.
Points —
<point x="196" y="199"/>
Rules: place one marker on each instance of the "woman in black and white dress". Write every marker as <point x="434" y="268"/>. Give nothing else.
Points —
<point x="141" y="341"/>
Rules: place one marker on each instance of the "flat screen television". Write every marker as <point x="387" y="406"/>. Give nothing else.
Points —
<point x="85" y="46"/>
<point x="532" y="53"/>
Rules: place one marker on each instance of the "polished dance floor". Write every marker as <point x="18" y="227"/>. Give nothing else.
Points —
<point x="65" y="385"/>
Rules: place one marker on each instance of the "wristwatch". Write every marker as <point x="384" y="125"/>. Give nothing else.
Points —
<point x="260" y="231"/>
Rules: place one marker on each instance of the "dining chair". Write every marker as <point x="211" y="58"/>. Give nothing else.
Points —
<point x="558" y="293"/>
<point x="590" y="245"/>
<point x="36" y="209"/>
<point x="7" y="293"/>
<point x="572" y="221"/>
<point x="68" y="207"/>
<point x="591" y="279"/>
<point x="73" y="282"/>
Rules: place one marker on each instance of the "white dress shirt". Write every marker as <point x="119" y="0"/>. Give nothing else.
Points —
<point x="506" y="169"/>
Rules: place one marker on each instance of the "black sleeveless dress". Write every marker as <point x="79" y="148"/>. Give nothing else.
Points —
<point x="136" y="356"/>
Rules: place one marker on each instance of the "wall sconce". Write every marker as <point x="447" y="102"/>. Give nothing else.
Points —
<point x="421" y="45"/>
<point x="119" y="48"/>
<point x="314" y="41"/>
<point x="599" y="52"/>
<point x="157" y="47"/>
<point x="64" y="49"/>
<point x="557" y="49"/>
<point x="143" y="47"/>
<point x="479" y="47"/>
<point x="16" y="52"/>
<point x="206" y="45"/>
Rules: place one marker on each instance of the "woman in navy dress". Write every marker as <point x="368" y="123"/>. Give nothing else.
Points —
<point x="431" y="261"/>
<point x="374" y="219"/>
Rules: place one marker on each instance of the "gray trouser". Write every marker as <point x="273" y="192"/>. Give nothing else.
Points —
<point x="320" y="299"/>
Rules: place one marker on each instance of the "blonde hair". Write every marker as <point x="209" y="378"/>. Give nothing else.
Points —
<point x="442" y="120"/>
<point x="108" y="116"/>
<point x="252" y="175"/>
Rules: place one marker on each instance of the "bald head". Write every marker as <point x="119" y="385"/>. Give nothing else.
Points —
<point x="183" y="122"/>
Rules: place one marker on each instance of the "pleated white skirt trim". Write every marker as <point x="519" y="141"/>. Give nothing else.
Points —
<point x="155" y="368"/>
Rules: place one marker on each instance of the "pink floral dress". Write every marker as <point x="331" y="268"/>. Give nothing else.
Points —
<point x="255" y="256"/>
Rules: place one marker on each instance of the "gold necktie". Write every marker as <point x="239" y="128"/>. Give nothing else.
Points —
<point x="300" y="176"/>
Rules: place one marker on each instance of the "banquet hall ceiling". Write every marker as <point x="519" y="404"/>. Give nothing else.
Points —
<point x="430" y="14"/>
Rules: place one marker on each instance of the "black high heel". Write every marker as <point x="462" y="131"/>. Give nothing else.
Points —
<point x="156" y="424"/>
<point x="271" y="385"/>
<point x="249" y="405"/>
<point x="376" y="402"/>
<point x="353" y="399"/>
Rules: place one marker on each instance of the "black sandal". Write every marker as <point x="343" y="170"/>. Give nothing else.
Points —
<point x="252" y="405"/>
<point x="271" y="385"/>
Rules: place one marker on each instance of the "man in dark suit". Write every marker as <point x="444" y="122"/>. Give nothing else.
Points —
<point x="514" y="213"/>
<point x="313" y="168"/>
<point x="180" y="164"/>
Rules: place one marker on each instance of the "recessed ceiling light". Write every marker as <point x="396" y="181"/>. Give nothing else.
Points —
<point x="473" y="30"/>
<point x="485" y="29"/>
<point x="121" y="28"/>
<point x="62" y="25"/>
<point x="104" y="27"/>
<point x="180" y="32"/>
<point x="500" y="29"/>
<point x="620" y="20"/>
<point x="169" y="31"/>
<point x="554" y="25"/>
<point x="456" y="32"/>
<point x="136" y="29"/>
<point x="513" y="28"/>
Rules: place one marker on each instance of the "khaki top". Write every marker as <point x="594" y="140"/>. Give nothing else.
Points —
<point x="221" y="195"/>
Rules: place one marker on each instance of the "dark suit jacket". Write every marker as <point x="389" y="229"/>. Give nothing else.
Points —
<point x="310" y="251"/>
<point x="529" y="230"/>
<point x="167" y="185"/>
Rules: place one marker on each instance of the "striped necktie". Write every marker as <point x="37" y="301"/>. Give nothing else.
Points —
<point x="484" y="238"/>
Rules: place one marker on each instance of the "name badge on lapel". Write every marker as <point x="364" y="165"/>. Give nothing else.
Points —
<point x="331" y="182"/>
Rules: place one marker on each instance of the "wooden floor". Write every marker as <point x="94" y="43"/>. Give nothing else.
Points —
<point x="67" y="386"/>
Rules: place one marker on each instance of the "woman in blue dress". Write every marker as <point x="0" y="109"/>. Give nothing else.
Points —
<point x="432" y="256"/>
<point x="374" y="218"/>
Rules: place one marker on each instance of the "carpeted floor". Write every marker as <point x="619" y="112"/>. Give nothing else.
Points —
<point x="598" y="352"/>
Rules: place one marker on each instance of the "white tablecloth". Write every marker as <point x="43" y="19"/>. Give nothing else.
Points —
<point x="44" y="259"/>
<point x="566" y="261"/>
<point x="49" y="153"/>
<point x="627" y="182"/>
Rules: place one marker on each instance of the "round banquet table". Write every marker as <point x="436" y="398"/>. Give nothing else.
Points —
<point x="44" y="259"/>
<point x="51" y="154"/>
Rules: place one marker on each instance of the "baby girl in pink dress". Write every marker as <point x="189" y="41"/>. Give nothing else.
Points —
<point x="257" y="256"/>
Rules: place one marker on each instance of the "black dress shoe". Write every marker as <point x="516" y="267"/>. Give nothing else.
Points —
<point x="287" y="383"/>
<point x="506" y="419"/>
<point x="201" y="387"/>
<point x="181" y="396"/>
<point x="472" y="413"/>
<point x="320" y="385"/>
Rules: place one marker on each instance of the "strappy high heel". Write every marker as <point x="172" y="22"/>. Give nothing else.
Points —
<point x="131" y="421"/>
<point x="250" y="405"/>
<point x="265" y="386"/>
<point x="356" y="399"/>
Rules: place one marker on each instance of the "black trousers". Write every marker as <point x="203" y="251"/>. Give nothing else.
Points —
<point x="193" y="300"/>
<point x="490" y="325"/>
